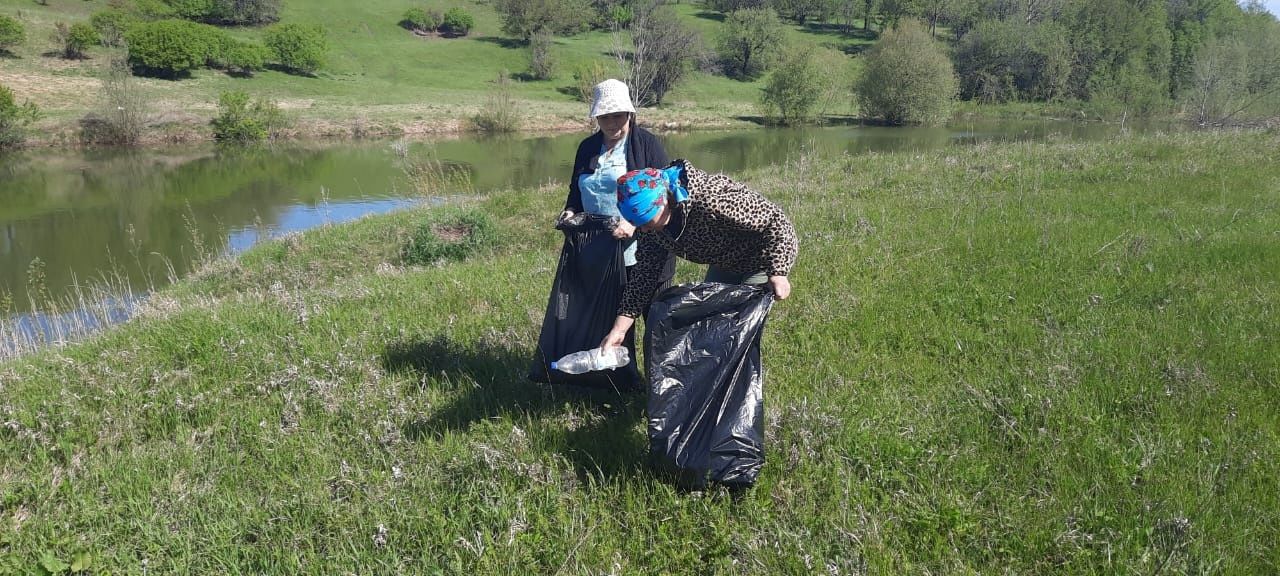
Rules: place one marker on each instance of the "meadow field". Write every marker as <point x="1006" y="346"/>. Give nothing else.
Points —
<point x="380" y="79"/>
<point x="998" y="359"/>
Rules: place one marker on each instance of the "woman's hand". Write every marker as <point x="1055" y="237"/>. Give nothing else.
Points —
<point x="624" y="229"/>
<point x="619" y="332"/>
<point x="781" y="287"/>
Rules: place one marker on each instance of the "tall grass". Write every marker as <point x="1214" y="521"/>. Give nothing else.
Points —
<point x="1006" y="359"/>
<point x="501" y="113"/>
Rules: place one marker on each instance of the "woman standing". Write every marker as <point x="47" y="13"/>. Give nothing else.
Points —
<point x="599" y="252"/>
<point x="618" y="147"/>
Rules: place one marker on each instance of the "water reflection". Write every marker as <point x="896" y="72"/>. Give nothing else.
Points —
<point x="141" y="216"/>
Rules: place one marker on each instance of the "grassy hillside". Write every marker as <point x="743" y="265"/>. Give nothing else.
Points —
<point x="379" y="76"/>
<point x="1021" y="358"/>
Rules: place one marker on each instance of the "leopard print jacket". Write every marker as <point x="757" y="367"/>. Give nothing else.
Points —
<point x="724" y="224"/>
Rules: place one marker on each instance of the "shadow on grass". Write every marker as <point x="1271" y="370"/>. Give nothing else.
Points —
<point x="291" y="71"/>
<point x="600" y="439"/>
<point x="709" y="15"/>
<point x="570" y="91"/>
<point x="509" y="43"/>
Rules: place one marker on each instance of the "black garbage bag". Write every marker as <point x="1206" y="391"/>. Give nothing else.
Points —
<point x="584" y="301"/>
<point x="706" y="383"/>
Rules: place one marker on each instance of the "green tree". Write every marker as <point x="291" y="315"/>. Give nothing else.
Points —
<point x="1122" y="52"/>
<point x="801" y="11"/>
<point x="793" y="89"/>
<point x="750" y="42"/>
<point x="907" y="78"/>
<point x="12" y="33"/>
<point x="1001" y="60"/>
<point x="169" y="48"/>
<point x="298" y="47"/>
<point x="14" y="119"/>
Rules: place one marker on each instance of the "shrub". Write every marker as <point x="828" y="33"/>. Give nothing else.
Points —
<point x="75" y="39"/>
<point x="197" y="10"/>
<point x="111" y="25"/>
<point x="542" y="63"/>
<point x="14" y="119"/>
<point x="241" y="120"/>
<point x="449" y="236"/>
<point x="524" y="18"/>
<point x="12" y="33"/>
<point x="499" y="115"/>
<point x="750" y="42"/>
<point x="242" y="58"/>
<point x="421" y="20"/>
<point x="586" y="76"/>
<point x="907" y="78"/>
<point x="122" y="110"/>
<point x="793" y="88"/>
<point x="244" y="12"/>
<point x="152" y="10"/>
<point x="169" y="48"/>
<point x="457" y="22"/>
<point x="297" y="47"/>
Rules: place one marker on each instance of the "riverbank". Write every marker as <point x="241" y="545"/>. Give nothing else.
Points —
<point x="1017" y="357"/>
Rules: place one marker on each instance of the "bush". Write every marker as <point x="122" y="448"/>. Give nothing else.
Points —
<point x="524" y="18"/>
<point x="750" y="42"/>
<point x="794" y="88"/>
<point x="449" y="236"/>
<point x="242" y="58"/>
<point x="542" y="63"/>
<point x="169" y="48"/>
<point x="241" y="120"/>
<point x="229" y="12"/>
<point x="499" y="115"/>
<point x="245" y="12"/>
<point x="421" y="20"/>
<point x="14" y="119"/>
<point x="12" y="33"/>
<point x="457" y="22"/>
<point x="75" y="39"/>
<point x="111" y="25"/>
<point x="907" y="78"/>
<point x="297" y="47"/>
<point x="585" y="78"/>
<point x="122" y="110"/>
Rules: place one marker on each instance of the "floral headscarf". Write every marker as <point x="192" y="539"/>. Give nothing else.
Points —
<point x="641" y="193"/>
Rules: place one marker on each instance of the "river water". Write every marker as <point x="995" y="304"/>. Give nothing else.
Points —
<point x="138" y="218"/>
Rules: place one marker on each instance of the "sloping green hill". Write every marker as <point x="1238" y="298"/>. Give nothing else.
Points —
<point x="378" y="76"/>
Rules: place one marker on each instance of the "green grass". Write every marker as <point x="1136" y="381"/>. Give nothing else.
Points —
<point x="1017" y="358"/>
<point x="379" y="78"/>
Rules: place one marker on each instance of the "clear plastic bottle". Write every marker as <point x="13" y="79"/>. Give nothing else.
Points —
<point x="593" y="359"/>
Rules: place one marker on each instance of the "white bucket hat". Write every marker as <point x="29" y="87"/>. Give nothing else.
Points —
<point x="610" y="96"/>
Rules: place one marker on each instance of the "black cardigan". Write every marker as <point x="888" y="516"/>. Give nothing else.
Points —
<point x="643" y="151"/>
